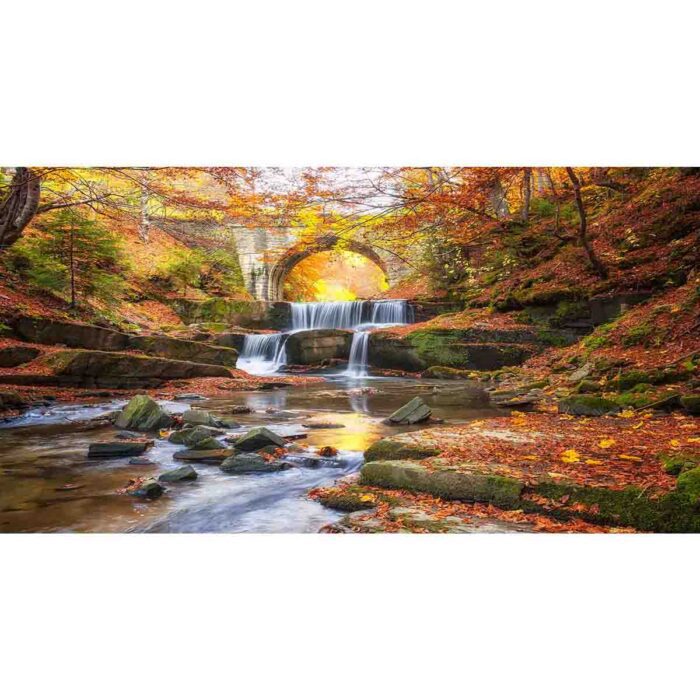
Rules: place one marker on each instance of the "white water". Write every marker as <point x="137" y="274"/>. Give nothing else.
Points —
<point x="265" y="354"/>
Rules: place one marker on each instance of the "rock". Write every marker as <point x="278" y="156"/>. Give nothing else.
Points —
<point x="149" y="490"/>
<point x="108" y="450"/>
<point x="689" y="484"/>
<point x="215" y="456"/>
<point x="93" y="368"/>
<point x="585" y="405"/>
<point x="188" y="350"/>
<point x="72" y="335"/>
<point x="313" y="346"/>
<point x="143" y="413"/>
<point x="691" y="403"/>
<point x="227" y="422"/>
<point x="676" y="462"/>
<point x="186" y="473"/>
<point x="445" y="483"/>
<point x="320" y="425"/>
<point x="11" y="400"/>
<point x="239" y="409"/>
<point x="256" y="438"/>
<point x="388" y="449"/>
<point x="191" y="436"/>
<point x="586" y="386"/>
<point x="251" y="462"/>
<point x="208" y="443"/>
<point x="14" y="355"/>
<point x="446" y="373"/>
<point x="190" y="397"/>
<point x="581" y="373"/>
<point x="141" y="462"/>
<point x="415" y="411"/>
<point x="199" y="417"/>
<point x="127" y="435"/>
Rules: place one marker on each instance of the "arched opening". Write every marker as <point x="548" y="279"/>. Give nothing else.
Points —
<point x="332" y="275"/>
<point x="362" y="255"/>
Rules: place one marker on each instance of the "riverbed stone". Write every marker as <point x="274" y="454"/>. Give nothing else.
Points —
<point x="415" y="411"/>
<point x="208" y="443"/>
<point x="257" y="438"/>
<point x="388" y="449"/>
<point x="252" y="462"/>
<point x="195" y="416"/>
<point x="451" y="484"/>
<point x="150" y="490"/>
<point x="143" y="413"/>
<point x="191" y="436"/>
<point x="121" y="448"/>
<point x="214" y="456"/>
<point x="185" y="473"/>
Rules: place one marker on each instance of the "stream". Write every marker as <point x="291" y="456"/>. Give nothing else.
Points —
<point x="48" y="483"/>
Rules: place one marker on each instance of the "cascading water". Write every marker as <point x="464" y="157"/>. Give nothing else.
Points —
<point x="262" y="354"/>
<point x="265" y="354"/>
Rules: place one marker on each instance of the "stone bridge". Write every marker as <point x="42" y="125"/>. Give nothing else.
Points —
<point x="267" y="255"/>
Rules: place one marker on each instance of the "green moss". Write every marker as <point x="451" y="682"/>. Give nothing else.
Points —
<point x="588" y="406"/>
<point x="677" y="462"/>
<point x="627" y="380"/>
<point x="443" y="348"/>
<point x="549" y="337"/>
<point x="689" y="484"/>
<point x="631" y="507"/>
<point x="393" y="449"/>
<point x="347" y="500"/>
<point x="586" y="386"/>
<point x="450" y="484"/>
<point x="447" y="373"/>
<point x="632" y="399"/>
<point x="691" y="403"/>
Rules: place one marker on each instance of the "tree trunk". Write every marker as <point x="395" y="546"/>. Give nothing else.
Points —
<point x="19" y="206"/>
<point x="597" y="265"/>
<point x="527" y="193"/>
<point x="72" y="268"/>
<point x="145" y="223"/>
<point x="498" y="200"/>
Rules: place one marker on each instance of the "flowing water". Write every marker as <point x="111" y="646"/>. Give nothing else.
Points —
<point x="47" y="482"/>
<point x="264" y="354"/>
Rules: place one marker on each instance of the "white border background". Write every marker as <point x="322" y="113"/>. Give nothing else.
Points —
<point x="348" y="83"/>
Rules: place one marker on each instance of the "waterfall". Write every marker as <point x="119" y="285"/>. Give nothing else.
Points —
<point x="357" y="365"/>
<point x="262" y="353"/>
<point x="265" y="354"/>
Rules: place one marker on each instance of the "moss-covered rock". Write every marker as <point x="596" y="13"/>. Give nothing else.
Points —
<point x="184" y="473"/>
<point x="451" y="484"/>
<point x="347" y="500"/>
<point x="143" y="413"/>
<point x="15" y="355"/>
<point x="689" y="484"/>
<point x="584" y="405"/>
<point x="388" y="449"/>
<point x="587" y="386"/>
<point x="676" y="462"/>
<point x="438" y="372"/>
<point x="691" y="403"/>
<point x="189" y="350"/>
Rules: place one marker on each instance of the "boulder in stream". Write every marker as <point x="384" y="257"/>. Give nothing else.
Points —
<point x="185" y="473"/>
<point x="251" y="462"/>
<point x="215" y="456"/>
<point x="415" y="411"/>
<point x="149" y="490"/>
<point x="143" y="413"/>
<point x="257" y="438"/>
<point x="191" y="436"/>
<point x="118" y="448"/>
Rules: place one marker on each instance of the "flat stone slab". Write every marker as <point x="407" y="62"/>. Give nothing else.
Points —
<point x="121" y="448"/>
<point x="415" y="411"/>
<point x="215" y="456"/>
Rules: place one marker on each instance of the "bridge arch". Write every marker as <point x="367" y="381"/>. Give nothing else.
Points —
<point x="297" y="253"/>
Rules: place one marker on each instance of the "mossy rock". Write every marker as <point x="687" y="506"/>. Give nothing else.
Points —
<point x="630" y="399"/>
<point x="691" y="403"/>
<point x="627" y="380"/>
<point x="143" y="413"/>
<point x="348" y="500"/>
<point x="394" y="449"/>
<point x="676" y="462"/>
<point x="438" y="372"/>
<point x="585" y="405"/>
<point x="689" y="484"/>
<point x="586" y="386"/>
<point x="451" y="484"/>
<point x="629" y="507"/>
